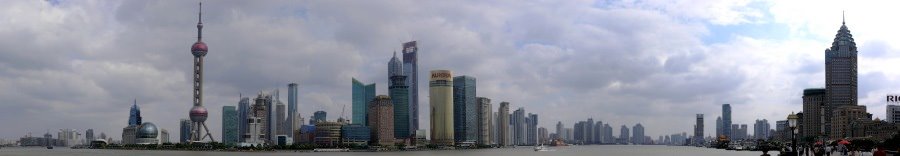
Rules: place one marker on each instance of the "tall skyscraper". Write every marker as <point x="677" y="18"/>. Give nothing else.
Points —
<point x="362" y="95"/>
<point x="399" y="92"/>
<point x="185" y="136"/>
<point x="292" y="110"/>
<point x="381" y="121"/>
<point x="518" y="119"/>
<point x="243" y="116"/>
<point x="89" y="135"/>
<point x="280" y="122"/>
<point x="464" y="109"/>
<point x="726" y="120"/>
<point x="230" y="133"/>
<point x="624" y="135"/>
<point x="598" y="132"/>
<point x="608" y="134"/>
<point x="841" y="69"/>
<point x="698" y="128"/>
<point x="531" y="129"/>
<point x="761" y="129"/>
<point x="441" y="100"/>
<point x="638" y="134"/>
<point x="589" y="131"/>
<point x="503" y="120"/>
<point x="411" y="70"/>
<point x="198" y="113"/>
<point x="816" y="114"/>
<point x="483" y="118"/>
<point x="134" y="117"/>
<point x="560" y="130"/>
<point x="262" y="110"/>
<point x="719" y="126"/>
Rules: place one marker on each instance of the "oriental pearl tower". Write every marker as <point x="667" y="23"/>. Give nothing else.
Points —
<point x="198" y="113"/>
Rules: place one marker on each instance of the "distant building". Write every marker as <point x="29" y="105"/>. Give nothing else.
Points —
<point x="589" y="131"/>
<point x="184" y="130"/>
<point x="280" y="122"/>
<point x="638" y="135"/>
<point x="624" y="135"/>
<point x="328" y="133"/>
<point x="134" y="117"/>
<point x="362" y="94"/>
<point x="608" y="134"/>
<point x="719" y="126"/>
<point x="761" y="129"/>
<point x="531" y="129"/>
<point x="243" y="116"/>
<point x="318" y="116"/>
<point x="503" y="132"/>
<point x="483" y="120"/>
<point x="292" y="121"/>
<point x="464" y="109"/>
<point x="726" y="120"/>
<point x="89" y="135"/>
<point x="129" y="134"/>
<point x="543" y="136"/>
<point x="355" y="134"/>
<point x="441" y="101"/>
<point x="255" y="134"/>
<point x="230" y="133"/>
<point x="698" y="128"/>
<point x="263" y="110"/>
<point x="381" y="121"/>
<point x="518" y="123"/>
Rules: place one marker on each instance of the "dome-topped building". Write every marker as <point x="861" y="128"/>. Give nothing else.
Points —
<point x="147" y="133"/>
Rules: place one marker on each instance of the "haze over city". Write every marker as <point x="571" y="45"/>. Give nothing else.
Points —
<point x="82" y="64"/>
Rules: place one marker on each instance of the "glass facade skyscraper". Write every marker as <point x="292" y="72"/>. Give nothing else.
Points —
<point x="399" y="93"/>
<point x="726" y="120"/>
<point x="464" y="109"/>
<point x="290" y="124"/>
<point x="411" y="69"/>
<point x="243" y="117"/>
<point x="230" y="125"/>
<point x="362" y="94"/>
<point x="134" y="117"/>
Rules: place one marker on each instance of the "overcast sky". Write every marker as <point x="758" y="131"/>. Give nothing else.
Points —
<point x="80" y="64"/>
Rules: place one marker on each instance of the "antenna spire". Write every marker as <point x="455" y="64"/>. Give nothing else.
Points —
<point x="200" y="22"/>
<point x="843" y="17"/>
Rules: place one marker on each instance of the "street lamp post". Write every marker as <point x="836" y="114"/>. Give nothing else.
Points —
<point x="792" y="122"/>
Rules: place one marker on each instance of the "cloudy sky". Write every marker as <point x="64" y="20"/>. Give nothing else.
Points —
<point x="81" y="64"/>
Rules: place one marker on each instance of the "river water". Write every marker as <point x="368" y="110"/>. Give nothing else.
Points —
<point x="599" y="150"/>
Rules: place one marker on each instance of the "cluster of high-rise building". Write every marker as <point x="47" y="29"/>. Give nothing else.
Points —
<point x="597" y="132"/>
<point x="458" y="116"/>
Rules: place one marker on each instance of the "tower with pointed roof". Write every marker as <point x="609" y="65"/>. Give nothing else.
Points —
<point x="134" y="117"/>
<point x="841" y="69"/>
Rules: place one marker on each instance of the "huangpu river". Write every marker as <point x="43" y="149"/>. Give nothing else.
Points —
<point x="594" y="150"/>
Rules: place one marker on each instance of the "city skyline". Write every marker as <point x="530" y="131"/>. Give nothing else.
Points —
<point x="141" y="54"/>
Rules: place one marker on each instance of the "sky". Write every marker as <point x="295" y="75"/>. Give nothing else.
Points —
<point x="82" y="64"/>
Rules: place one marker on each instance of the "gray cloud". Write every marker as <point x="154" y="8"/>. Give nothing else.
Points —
<point x="81" y="64"/>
